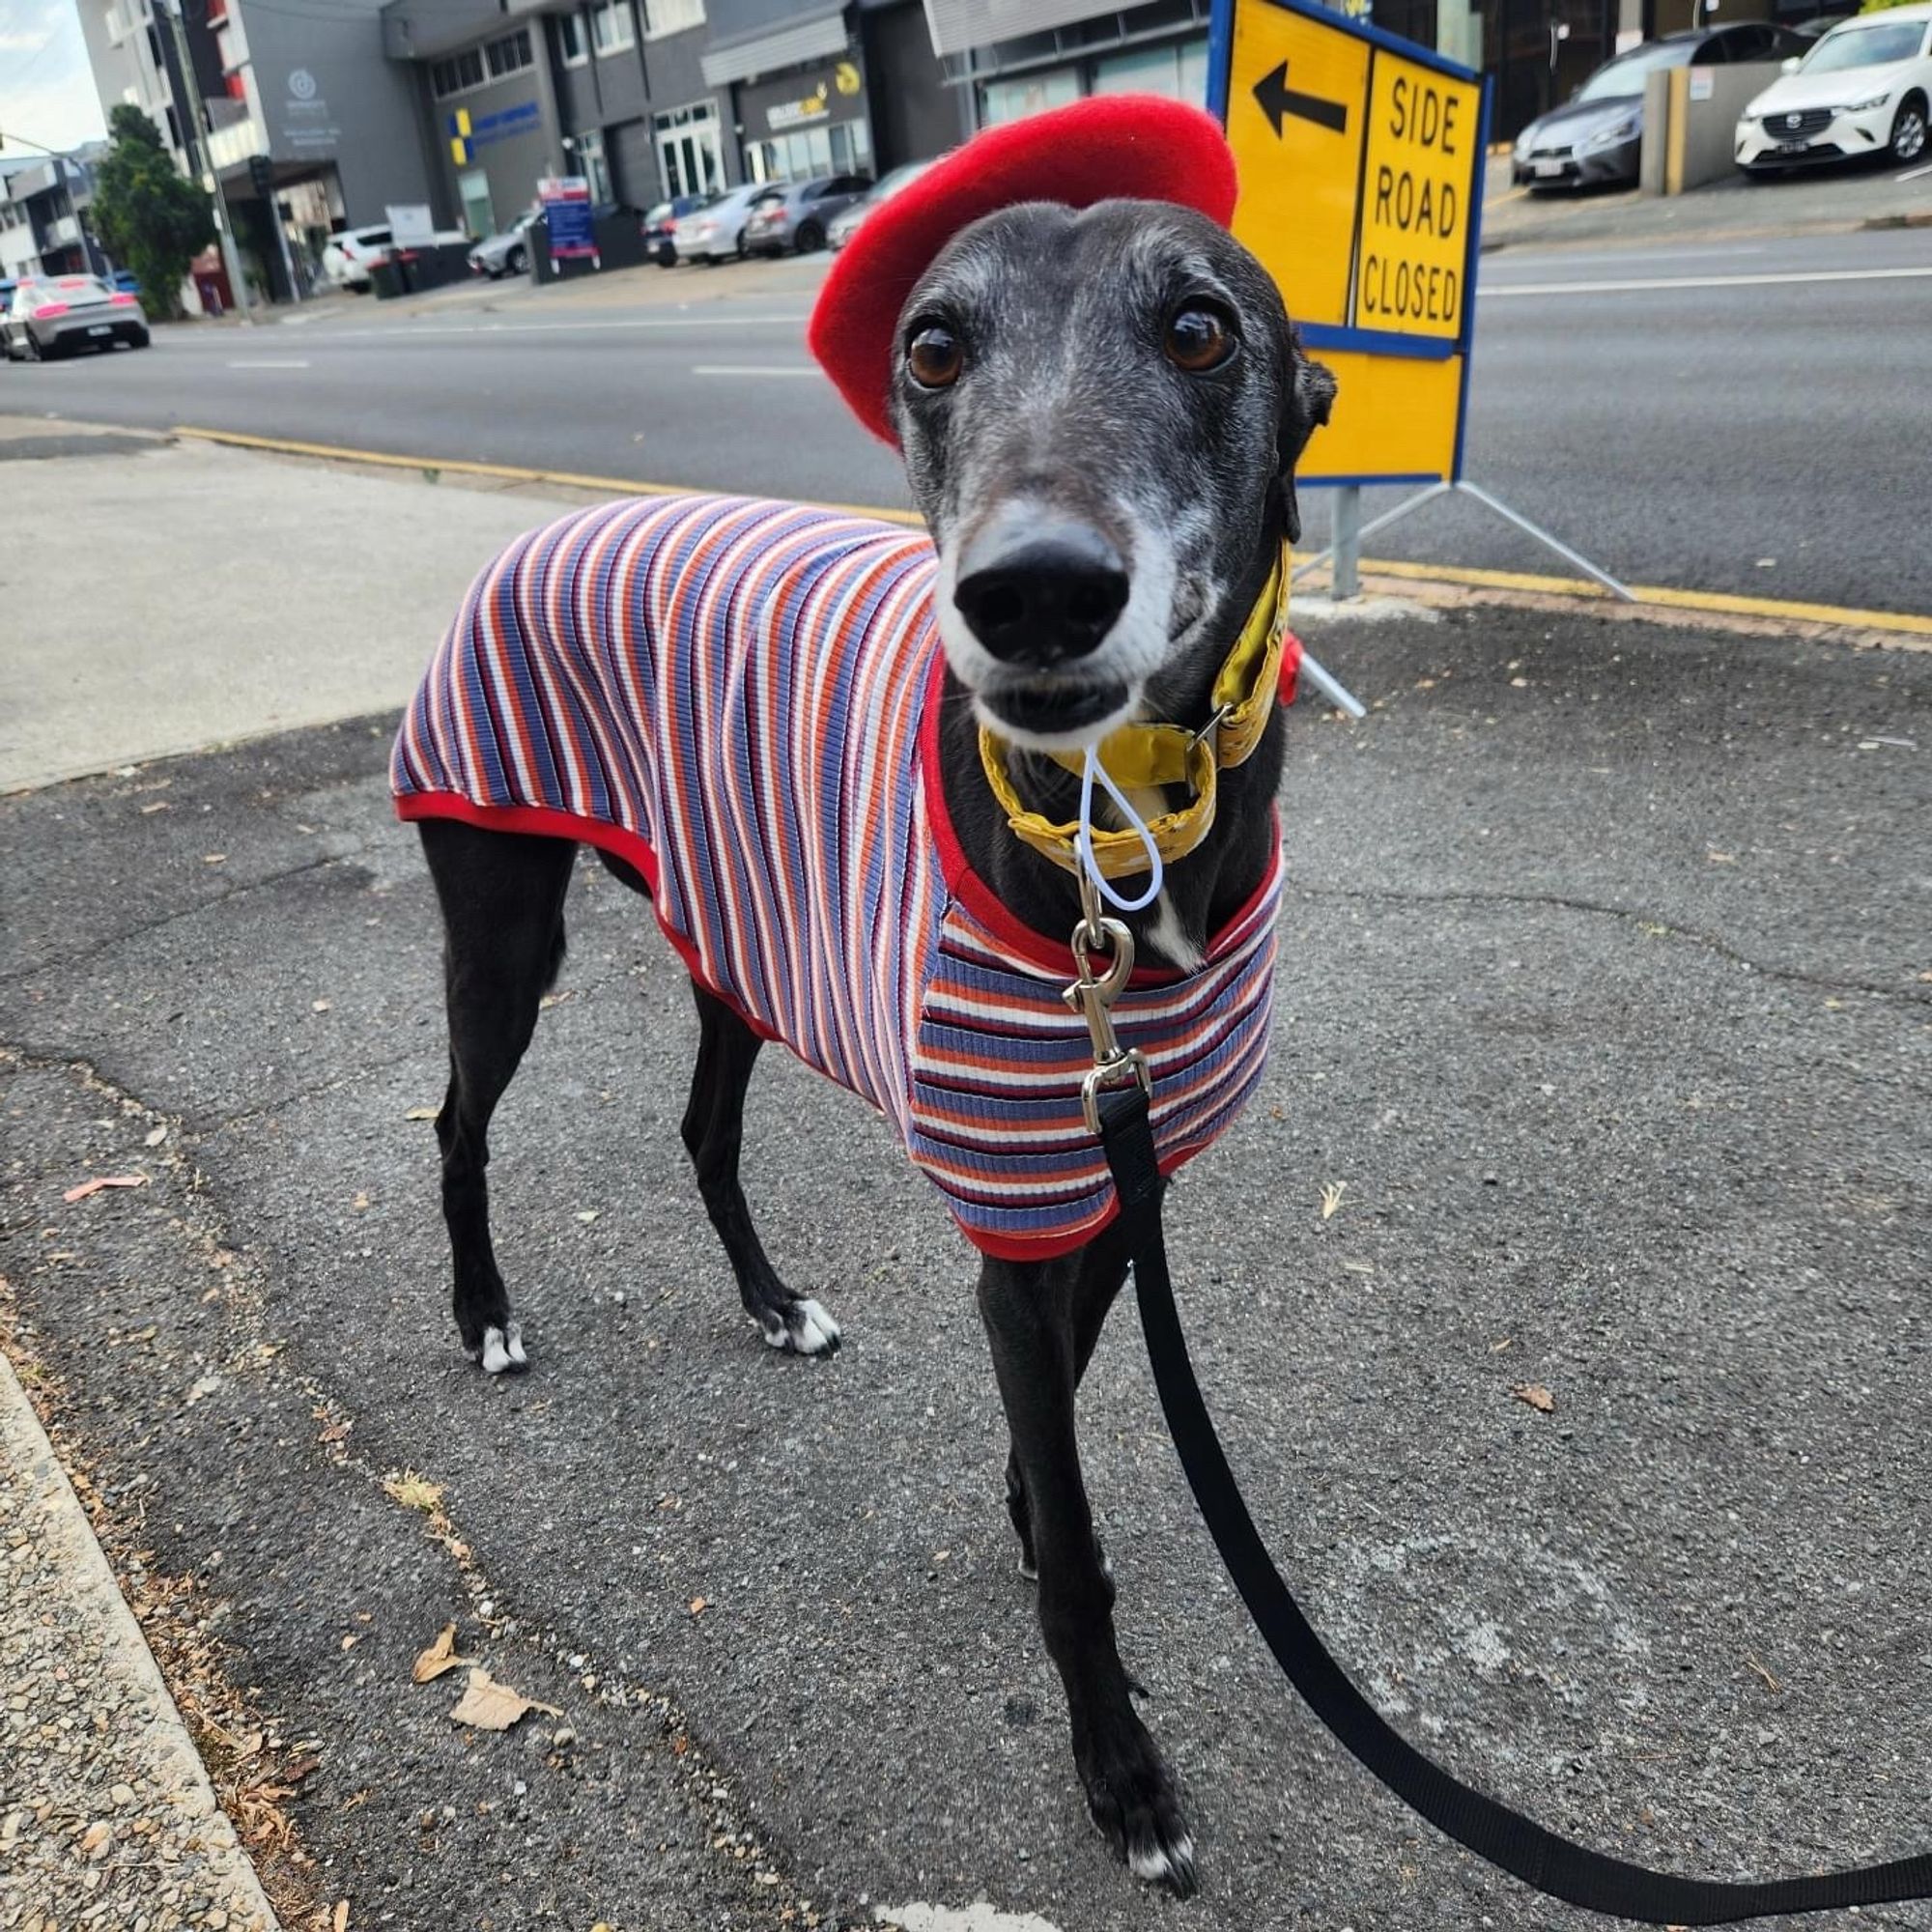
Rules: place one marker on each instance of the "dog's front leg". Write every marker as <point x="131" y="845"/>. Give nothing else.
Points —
<point x="1031" y="1312"/>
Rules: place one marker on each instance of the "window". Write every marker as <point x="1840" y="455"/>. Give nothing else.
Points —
<point x="613" y="27"/>
<point x="509" y="54"/>
<point x="592" y="166"/>
<point x="672" y="17"/>
<point x="570" y="40"/>
<point x="458" y="74"/>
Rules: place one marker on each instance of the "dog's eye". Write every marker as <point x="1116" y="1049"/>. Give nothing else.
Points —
<point x="1198" y="339"/>
<point x="934" y="355"/>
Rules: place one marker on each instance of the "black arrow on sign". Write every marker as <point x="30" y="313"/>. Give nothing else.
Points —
<point x="1278" y="100"/>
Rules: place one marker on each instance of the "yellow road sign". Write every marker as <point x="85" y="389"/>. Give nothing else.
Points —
<point x="1361" y="163"/>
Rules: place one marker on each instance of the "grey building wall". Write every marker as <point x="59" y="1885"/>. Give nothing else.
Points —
<point x="618" y="94"/>
<point x="915" y="114"/>
<point x="328" y="93"/>
<point x="514" y="132"/>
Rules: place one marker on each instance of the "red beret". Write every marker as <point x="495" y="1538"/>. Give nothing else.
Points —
<point x="1136" y="147"/>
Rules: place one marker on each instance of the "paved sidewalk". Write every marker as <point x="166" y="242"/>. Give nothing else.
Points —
<point x="108" y="1818"/>
<point x="1837" y="201"/>
<point x="314" y="593"/>
<point x="1603" y="1014"/>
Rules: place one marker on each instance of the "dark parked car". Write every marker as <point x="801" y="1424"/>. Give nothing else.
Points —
<point x="1596" y="137"/>
<point x="797" y="219"/>
<point x="661" y="223"/>
<point x="63" y="314"/>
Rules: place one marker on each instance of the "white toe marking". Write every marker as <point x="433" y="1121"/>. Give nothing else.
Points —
<point x="1157" y="1863"/>
<point x="503" y="1349"/>
<point x="979" y="1916"/>
<point x="813" y="1329"/>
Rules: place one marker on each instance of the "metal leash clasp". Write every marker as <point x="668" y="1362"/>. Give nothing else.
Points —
<point x="1091" y="996"/>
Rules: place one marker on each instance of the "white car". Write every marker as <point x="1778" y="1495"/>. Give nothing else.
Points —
<point x="1864" y="89"/>
<point x="350" y="254"/>
<point x="717" y="233"/>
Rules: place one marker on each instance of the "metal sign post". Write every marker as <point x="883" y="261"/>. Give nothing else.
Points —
<point x="1362" y="158"/>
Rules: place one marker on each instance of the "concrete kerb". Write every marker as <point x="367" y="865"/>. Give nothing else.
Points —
<point x="1439" y="585"/>
<point x="113" y="1784"/>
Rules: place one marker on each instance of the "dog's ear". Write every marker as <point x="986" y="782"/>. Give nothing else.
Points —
<point x="1307" y="395"/>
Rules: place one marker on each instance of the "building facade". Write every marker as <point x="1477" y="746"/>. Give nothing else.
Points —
<point x="43" y="204"/>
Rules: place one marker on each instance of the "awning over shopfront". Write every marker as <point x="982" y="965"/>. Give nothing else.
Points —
<point x="816" y="34"/>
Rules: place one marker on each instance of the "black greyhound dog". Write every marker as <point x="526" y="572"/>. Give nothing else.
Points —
<point x="1101" y="415"/>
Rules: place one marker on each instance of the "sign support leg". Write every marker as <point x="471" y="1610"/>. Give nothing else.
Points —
<point x="1346" y="581"/>
<point x="1349" y="530"/>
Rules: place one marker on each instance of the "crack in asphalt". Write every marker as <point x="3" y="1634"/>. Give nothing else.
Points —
<point x="1645" y="922"/>
<point x="113" y="939"/>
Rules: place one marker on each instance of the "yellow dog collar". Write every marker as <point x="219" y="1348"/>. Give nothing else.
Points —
<point x="1137" y="756"/>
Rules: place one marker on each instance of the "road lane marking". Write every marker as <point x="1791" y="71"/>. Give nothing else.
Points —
<point x="1913" y="174"/>
<point x="753" y="369"/>
<point x="403" y="331"/>
<point x="272" y="362"/>
<point x="1494" y="289"/>
<point x="1903" y="622"/>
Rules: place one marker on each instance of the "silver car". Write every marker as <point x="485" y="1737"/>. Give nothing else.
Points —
<point x="59" y="315"/>
<point x="844" y="226"/>
<point x="797" y="217"/>
<point x="507" y="253"/>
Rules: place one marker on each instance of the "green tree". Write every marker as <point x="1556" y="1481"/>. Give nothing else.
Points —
<point x="149" y="216"/>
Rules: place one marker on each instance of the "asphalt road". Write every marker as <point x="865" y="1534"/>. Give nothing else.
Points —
<point x="1602" y="998"/>
<point x="1744" y="416"/>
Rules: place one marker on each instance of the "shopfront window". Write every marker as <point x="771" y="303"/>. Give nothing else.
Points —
<point x="479" y="216"/>
<point x="843" y="148"/>
<point x="592" y="166"/>
<point x="1177" y="69"/>
<point x="1001" y="101"/>
<point x="690" y="156"/>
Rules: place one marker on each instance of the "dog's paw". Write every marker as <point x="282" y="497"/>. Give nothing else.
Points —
<point x="804" y="1327"/>
<point x="502" y="1350"/>
<point x="1131" y="1795"/>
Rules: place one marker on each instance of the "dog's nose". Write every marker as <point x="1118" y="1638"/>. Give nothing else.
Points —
<point x="1044" y="595"/>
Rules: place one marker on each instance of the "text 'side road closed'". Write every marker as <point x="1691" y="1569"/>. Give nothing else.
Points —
<point x="1360" y="158"/>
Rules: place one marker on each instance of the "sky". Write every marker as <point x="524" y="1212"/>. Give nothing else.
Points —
<point x="47" y="91"/>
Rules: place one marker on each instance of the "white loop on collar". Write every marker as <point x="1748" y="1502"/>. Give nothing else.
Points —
<point x="1083" y="842"/>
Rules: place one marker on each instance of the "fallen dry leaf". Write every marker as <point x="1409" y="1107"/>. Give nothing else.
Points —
<point x="342" y="1915"/>
<point x="1332" y="1192"/>
<point x="155" y="1136"/>
<point x="698" y="1607"/>
<point x="318" y="1006"/>
<point x="489" y="1706"/>
<point x="1536" y="1396"/>
<point x="102" y="1180"/>
<point x="421" y="1114"/>
<point x="440" y="1656"/>
<point x="159" y="804"/>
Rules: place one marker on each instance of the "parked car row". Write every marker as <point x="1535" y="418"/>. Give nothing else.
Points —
<point x="60" y="315"/>
<point x="1851" y="86"/>
<point x="1862" y="90"/>
<point x="351" y="256"/>
<point x="769" y="218"/>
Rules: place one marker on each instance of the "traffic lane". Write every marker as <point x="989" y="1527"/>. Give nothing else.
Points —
<point x="1794" y="255"/>
<point x="1678" y="438"/>
<point x="1582" y="415"/>
<point x="1583" y="1149"/>
<point x="614" y="401"/>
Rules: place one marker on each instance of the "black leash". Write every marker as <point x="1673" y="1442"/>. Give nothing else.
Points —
<point x="1492" y="1831"/>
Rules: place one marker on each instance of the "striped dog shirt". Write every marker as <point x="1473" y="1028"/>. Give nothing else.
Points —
<point x="742" y="699"/>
